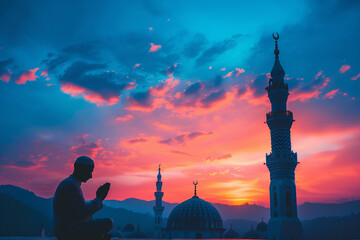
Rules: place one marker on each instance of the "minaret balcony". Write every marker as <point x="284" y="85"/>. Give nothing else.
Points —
<point x="281" y="164"/>
<point x="270" y="115"/>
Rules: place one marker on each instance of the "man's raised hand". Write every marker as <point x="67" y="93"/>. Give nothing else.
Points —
<point x="103" y="191"/>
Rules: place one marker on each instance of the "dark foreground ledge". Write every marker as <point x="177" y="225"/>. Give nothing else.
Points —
<point x="37" y="238"/>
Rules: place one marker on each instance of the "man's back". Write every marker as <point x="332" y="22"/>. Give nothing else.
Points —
<point x="69" y="204"/>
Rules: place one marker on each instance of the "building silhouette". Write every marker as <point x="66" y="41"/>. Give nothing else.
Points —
<point x="194" y="218"/>
<point x="158" y="208"/>
<point x="231" y="234"/>
<point x="282" y="161"/>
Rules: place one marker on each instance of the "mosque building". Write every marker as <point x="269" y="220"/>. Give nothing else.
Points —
<point x="231" y="234"/>
<point x="196" y="218"/>
<point x="129" y="231"/>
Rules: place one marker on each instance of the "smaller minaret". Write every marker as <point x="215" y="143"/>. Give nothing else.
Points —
<point x="158" y="208"/>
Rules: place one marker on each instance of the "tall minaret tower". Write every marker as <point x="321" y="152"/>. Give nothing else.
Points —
<point x="158" y="208"/>
<point x="281" y="162"/>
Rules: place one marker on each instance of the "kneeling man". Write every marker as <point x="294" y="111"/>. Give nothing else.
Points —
<point x="72" y="215"/>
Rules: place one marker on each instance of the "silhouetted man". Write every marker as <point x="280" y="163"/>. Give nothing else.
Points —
<point x="72" y="215"/>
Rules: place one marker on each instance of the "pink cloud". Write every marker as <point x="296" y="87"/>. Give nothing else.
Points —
<point x="130" y="86"/>
<point x="44" y="72"/>
<point x="50" y="84"/>
<point x="150" y="29"/>
<point x="154" y="47"/>
<point x="355" y="77"/>
<point x="228" y="75"/>
<point x="312" y="90"/>
<point x="28" y="75"/>
<point x="318" y="74"/>
<point x="88" y="95"/>
<point x="72" y="89"/>
<point x="87" y="148"/>
<point x="210" y="67"/>
<point x="223" y="69"/>
<point x="125" y="118"/>
<point x="137" y="65"/>
<point x="158" y="96"/>
<point x="99" y="100"/>
<point x="239" y="71"/>
<point x="6" y="76"/>
<point x="344" y="68"/>
<point x="137" y="140"/>
<point x="331" y="94"/>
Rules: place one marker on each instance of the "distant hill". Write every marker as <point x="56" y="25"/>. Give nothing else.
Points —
<point x="139" y="205"/>
<point x="313" y="210"/>
<point x="18" y="219"/>
<point x="32" y="207"/>
<point x="241" y="226"/>
<point x="333" y="228"/>
<point x="43" y="205"/>
<point x="122" y="216"/>
<point x="249" y="212"/>
<point x="135" y="206"/>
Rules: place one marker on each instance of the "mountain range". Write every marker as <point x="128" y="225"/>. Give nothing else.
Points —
<point x="250" y="212"/>
<point x="24" y="208"/>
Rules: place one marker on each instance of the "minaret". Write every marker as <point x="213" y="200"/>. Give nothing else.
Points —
<point x="281" y="162"/>
<point x="158" y="208"/>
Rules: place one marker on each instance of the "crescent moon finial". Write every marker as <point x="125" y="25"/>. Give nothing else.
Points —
<point x="276" y="37"/>
<point x="195" y="182"/>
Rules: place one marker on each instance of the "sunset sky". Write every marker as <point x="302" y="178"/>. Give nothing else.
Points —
<point x="136" y="83"/>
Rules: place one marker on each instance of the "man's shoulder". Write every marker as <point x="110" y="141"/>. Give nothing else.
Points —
<point x="67" y="182"/>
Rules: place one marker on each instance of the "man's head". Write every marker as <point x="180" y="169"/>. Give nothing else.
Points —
<point x="83" y="168"/>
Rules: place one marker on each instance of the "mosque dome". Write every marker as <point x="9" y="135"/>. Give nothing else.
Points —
<point x="261" y="227"/>
<point x="129" y="228"/>
<point x="231" y="234"/>
<point x="116" y="234"/>
<point x="194" y="214"/>
<point x="138" y="234"/>
<point x="252" y="234"/>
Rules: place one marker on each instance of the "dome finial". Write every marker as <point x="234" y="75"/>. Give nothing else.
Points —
<point x="195" y="183"/>
<point x="276" y="51"/>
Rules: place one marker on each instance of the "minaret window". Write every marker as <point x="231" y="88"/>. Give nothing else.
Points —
<point x="288" y="199"/>
<point x="275" y="199"/>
